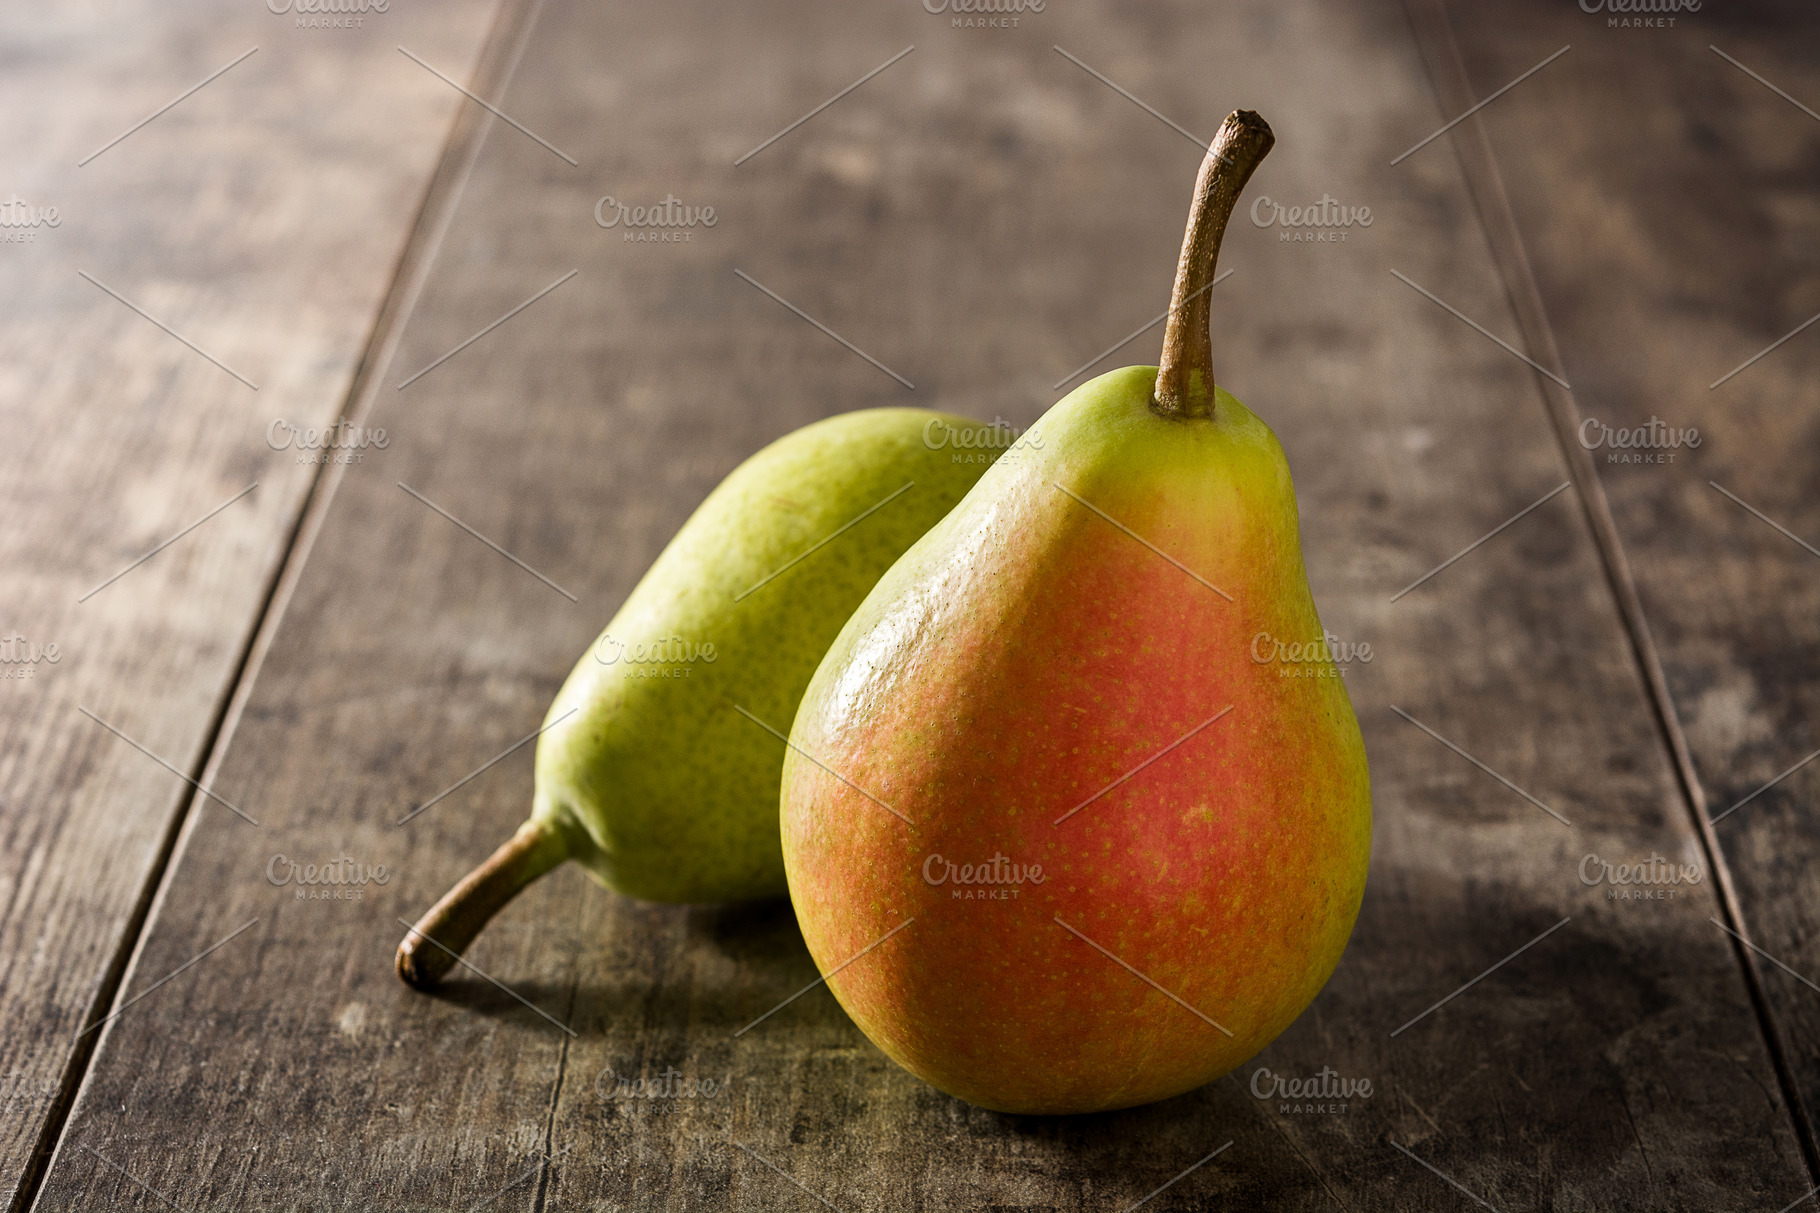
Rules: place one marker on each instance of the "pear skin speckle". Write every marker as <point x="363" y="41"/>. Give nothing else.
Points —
<point x="1222" y="857"/>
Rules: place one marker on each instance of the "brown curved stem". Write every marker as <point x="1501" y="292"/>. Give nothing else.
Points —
<point x="1184" y="378"/>
<point x="429" y="951"/>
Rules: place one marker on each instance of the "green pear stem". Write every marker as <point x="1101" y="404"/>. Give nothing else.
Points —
<point x="1184" y="377"/>
<point x="454" y="921"/>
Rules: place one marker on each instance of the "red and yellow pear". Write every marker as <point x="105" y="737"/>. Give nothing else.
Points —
<point x="1059" y="841"/>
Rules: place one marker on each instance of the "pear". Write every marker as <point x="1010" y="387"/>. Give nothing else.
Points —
<point x="659" y="763"/>
<point x="1058" y="836"/>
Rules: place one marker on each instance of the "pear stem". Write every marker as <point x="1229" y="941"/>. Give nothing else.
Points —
<point x="1184" y="378"/>
<point x="454" y="921"/>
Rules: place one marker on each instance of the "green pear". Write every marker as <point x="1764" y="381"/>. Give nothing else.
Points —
<point x="659" y="762"/>
<point x="1063" y="829"/>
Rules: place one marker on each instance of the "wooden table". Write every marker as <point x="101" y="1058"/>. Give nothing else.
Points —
<point x="1633" y="657"/>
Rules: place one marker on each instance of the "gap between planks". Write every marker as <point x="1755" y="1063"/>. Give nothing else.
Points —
<point x="1440" y="51"/>
<point x="500" y="52"/>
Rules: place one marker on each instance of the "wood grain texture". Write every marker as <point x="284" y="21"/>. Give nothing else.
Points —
<point x="981" y="217"/>
<point x="1702" y="197"/>
<point x="261" y="218"/>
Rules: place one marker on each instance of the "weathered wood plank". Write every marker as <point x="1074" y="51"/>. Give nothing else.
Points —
<point x="981" y="217"/>
<point x="1698" y="180"/>
<point x="260" y="218"/>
